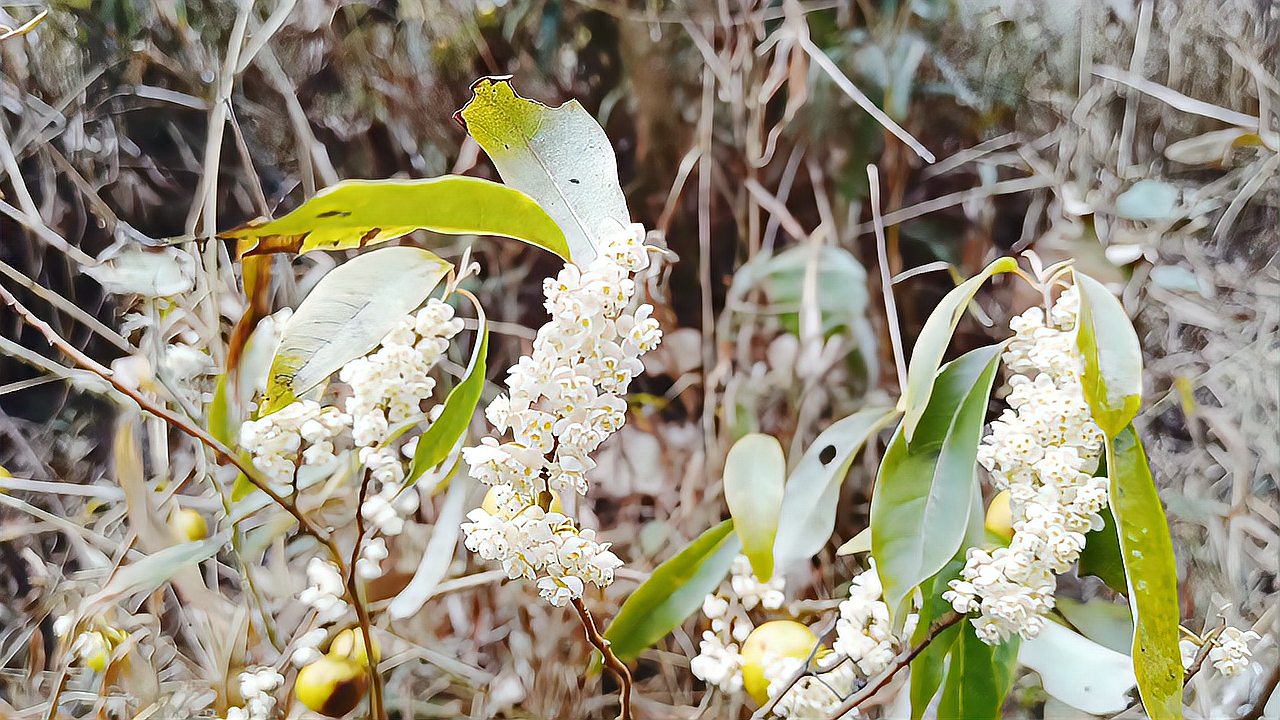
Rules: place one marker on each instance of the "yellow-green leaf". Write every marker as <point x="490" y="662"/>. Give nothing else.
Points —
<point x="560" y="156"/>
<point x="931" y="345"/>
<point x="357" y="213"/>
<point x="1112" y="377"/>
<point x="347" y="314"/>
<point x="673" y="592"/>
<point x="1149" y="565"/>
<point x="753" y="478"/>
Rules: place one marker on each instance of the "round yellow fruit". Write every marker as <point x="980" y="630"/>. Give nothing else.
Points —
<point x="190" y="525"/>
<point x="331" y="686"/>
<point x="350" y="644"/>
<point x="767" y="643"/>
<point x="1000" y="516"/>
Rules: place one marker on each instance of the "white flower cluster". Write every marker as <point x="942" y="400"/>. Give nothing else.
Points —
<point x="257" y="688"/>
<point x="389" y="385"/>
<point x="301" y="433"/>
<point x="1044" y="450"/>
<point x="863" y="631"/>
<point x="813" y="696"/>
<point x="1231" y="654"/>
<point x="719" y="661"/>
<point x="563" y="401"/>
<point x="325" y="591"/>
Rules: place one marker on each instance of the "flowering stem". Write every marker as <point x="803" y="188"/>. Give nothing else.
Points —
<point x="611" y="661"/>
<point x="376" y="711"/>
<point x="900" y="661"/>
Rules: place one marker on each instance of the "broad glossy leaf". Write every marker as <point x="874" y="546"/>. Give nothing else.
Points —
<point x="1149" y="564"/>
<point x="560" y="156"/>
<point x="437" y="442"/>
<point x="357" y="213"/>
<point x="673" y="592"/>
<point x="753" y="476"/>
<point x="927" y="667"/>
<point x="347" y="314"/>
<point x="978" y="678"/>
<point x="809" y="502"/>
<point x="1112" y="377"/>
<point x="931" y="345"/>
<point x="1101" y="555"/>
<point x="1079" y="671"/>
<point x="924" y="491"/>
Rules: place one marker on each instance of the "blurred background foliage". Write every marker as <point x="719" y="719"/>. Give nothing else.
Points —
<point x="1068" y="127"/>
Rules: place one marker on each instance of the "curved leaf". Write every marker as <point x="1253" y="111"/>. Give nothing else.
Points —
<point x="347" y="314"/>
<point x="923" y="495"/>
<point x="978" y="678"/>
<point x="1078" y="671"/>
<point x="560" y="156"/>
<point x="927" y="667"/>
<point x="931" y="345"/>
<point x="1112" y="377"/>
<point x="753" y="477"/>
<point x="1149" y="564"/>
<point x="673" y="592"/>
<point x="808" y="515"/>
<point x="356" y="213"/>
<point x="436" y="443"/>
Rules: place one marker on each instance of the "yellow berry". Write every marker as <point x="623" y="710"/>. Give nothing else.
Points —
<point x="190" y="525"/>
<point x="999" y="516"/>
<point x="350" y="644"/>
<point x="98" y="654"/>
<point x="768" y="643"/>
<point x="331" y="686"/>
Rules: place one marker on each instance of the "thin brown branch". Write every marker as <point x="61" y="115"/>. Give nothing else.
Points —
<point x="900" y="661"/>
<point x="376" y="711"/>
<point x="611" y="661"/>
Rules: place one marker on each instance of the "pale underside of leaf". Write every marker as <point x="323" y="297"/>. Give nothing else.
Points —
<point x="347" y="314"/>
<point x="560" y="156"/>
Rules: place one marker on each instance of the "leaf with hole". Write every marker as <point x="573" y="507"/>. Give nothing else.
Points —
<point x="921" y="506"/>
<point x="347" y="314"/>
<point x="358" y="213"/>
<point x="673" y="592"/>
<point x="808" y="515"/>
<point x="560" y="156"/>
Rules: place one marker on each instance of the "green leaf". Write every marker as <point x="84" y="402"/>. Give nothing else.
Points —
<point x="347" y="314"/>
<point x="560" y="156"/>
<point x="931" y="345"/>
<point x="927" y="667"/>
<point x="1149" y="564"/>
<point x="978" y="678"/>
<point x="673" y="592"/>
<point x="1101" y="555"/>
<point x="924" y="491"/>
<point x="151" y="571"/>
<point x="808" y="515"/>
<point x="753" y="476"/>
<point x="1107" y="623"/>
<point x="1079" y="671"/>
<point x="436" y="444"/>
<point x="1112" y="377"/>
<point x="356" y="213"/>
